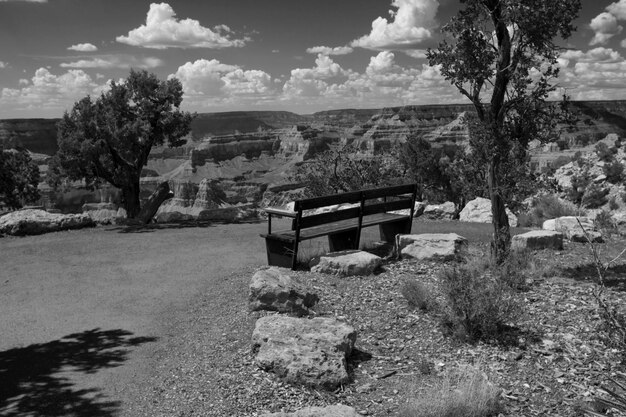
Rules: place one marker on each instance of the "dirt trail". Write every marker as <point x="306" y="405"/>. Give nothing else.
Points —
<point x="115" y="295"/>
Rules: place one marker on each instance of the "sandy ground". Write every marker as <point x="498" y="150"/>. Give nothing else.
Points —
<point x="115" y="294"/>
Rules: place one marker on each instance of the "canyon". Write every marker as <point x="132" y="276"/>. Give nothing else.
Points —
<point x="246" y="159"/>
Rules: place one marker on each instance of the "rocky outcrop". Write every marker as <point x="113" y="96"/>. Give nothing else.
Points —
<point x="347" y="263"/>
<point x="273" y="289"/>
<point x="330" y="411"/>
<point x="431" y="246"/>
<point x="309" y="352"/>
<point x="209" y="196"/>
<point x="538" y="239"/>
<point x="479" y="211"/>
<point x="36" y="222"/>
<point x="445" y="211"/>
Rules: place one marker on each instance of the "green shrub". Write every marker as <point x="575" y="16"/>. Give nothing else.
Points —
<point x="560" y="161"/>
<point x="594" y="196"/>
<point x="462" y="393"/>
<point x="478" y="305"/>
<point x="604" y="222"/>
<point x="418" y="295"/>
<point x="614" y="171"/>
<point x="579" y="184"/>
<point x="613" y="204"/>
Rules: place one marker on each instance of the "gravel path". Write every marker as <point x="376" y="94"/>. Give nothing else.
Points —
<point x="85" y="314"/>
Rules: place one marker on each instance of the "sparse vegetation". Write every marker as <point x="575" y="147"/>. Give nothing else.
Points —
<point x="614" y="171"/>
<point x="605" y="153"/>
<point x="478" y="305"/>
<point x="545" y="207"/>
<point x="464" y="392"/>
<point x="419" y="295"/>
<point x="595" y="196"/>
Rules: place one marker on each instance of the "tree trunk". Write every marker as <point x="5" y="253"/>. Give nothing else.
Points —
<point x="131" y="202"/>
<point x="501" y="243"/>
<point x="157" y="198"/>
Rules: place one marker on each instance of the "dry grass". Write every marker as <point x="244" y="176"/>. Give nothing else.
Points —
<point x="418" y="295"/>
<point x="464" y="392"/>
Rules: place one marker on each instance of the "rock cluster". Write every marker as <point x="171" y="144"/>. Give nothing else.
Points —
<point x="36" y="222"/>
<point x="445" y="211"/>
<point x="538" y="239"/>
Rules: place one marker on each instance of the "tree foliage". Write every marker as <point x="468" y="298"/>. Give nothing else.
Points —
<point x="110" y="138"/>
<point x="343" y="168"/>
<point x="502" y="56"/>
<point x="19" y="177"/>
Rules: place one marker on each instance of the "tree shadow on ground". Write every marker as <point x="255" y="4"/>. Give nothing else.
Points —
<point x="614" y="278"/>
<point x="32" y="381"/>
<point x="356" y="358"/>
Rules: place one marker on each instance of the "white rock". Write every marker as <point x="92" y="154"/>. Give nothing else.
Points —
<point x="538" y="239"/>
<point x="346" y="263"/>
<point x="479" y="211"/>
<point x="431" y="246"/>
<point x="303" y="351"/>
<point x="273" y="289"/>
<point x="570" y="227"/>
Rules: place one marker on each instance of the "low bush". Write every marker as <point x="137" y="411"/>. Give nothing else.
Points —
<point x="419" y="295"/>
<point x="604" y="222"/>
<point x="595" y="196"/>
<point x="614" y="171"/>
<point x="464" y="392"/>
<point x="613" y="204"/>
<point x="478" y="305"/>
<point x="604" y="152"/>
<point x="579" y="184"/>
<point x="546" y="207"/>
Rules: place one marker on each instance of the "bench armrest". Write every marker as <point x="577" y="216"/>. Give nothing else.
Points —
<point x="280" y="212"/>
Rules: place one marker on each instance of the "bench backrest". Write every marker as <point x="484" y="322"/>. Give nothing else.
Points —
<point x="368" y="200"/>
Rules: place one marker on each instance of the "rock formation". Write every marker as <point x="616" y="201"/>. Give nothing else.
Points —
<point x="36" y="222"/>
<point x="431" y="246"/>
<point x="273" y="289"/>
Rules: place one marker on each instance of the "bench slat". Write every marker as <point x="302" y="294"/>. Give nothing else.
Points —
<point x="330" y="217"/>
<point x="280" y="212"/>
<point x="328" y="200"/>
<point x="388" y="206"/>
<point x="337" y="227"/>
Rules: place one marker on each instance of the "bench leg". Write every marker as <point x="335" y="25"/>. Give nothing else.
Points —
<point x="279" y="252"/>
<point x="388" y="231"/>
<point x="343" y="241"/>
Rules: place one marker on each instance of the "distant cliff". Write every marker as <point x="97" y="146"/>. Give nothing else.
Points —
<point x="36" y="135"/>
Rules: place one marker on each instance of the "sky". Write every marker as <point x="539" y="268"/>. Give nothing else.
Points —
<point x="296" y="55"/>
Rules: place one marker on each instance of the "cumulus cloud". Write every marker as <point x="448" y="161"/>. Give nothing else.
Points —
<point x="83" y="47"/>
<point x="416" y="53"/>
<point x="115" y="61"/>
<point x="605" y="27"/>
<point x="47" y="94"/>
<point x="163" y="30"/>
<point x="618" y="9"/>
<point x="326" y="50"/>
<point x="215" y="80"/>
<point x="410" y="25"/>
<point x="3" y="64"/>
<point x="26" y="1"/>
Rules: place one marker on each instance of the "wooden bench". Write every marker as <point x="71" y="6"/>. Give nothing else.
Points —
<point x="343" y="227"/>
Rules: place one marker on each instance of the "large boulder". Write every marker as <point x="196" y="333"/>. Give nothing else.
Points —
<point x="431" y="246"/>
<point x="172" y="217"/>
<point x="273" y="289"/>
<point x="445" y="211"/>
<point x="309" y="352"/>
<point x="346" y="263"/>
<point x="103" y="216"/>
<point x="479" y="211"/>
<point x="36" y="222"/>
<point x="339" y="410"/>
<point x="570" y="226"/>
<point x="418" y="210"/>
<point x="538" y="239"/>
